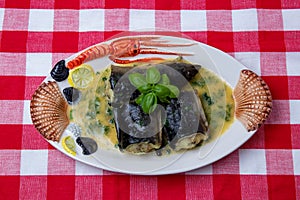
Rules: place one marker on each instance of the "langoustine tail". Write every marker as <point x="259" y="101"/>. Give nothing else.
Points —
<point x="92" y="53"/>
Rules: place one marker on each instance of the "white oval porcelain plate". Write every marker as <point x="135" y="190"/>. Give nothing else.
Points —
<point x="112" y="159"/>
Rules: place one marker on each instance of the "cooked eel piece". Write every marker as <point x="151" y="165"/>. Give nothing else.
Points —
<point x="124" y="91"/>
<point x="135" y="133"/>
<point x="187" y="70"/>
<point x="186" y="125"/>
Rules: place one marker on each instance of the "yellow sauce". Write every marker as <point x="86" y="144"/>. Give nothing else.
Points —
<point x="93" y="113"/>
<point x="217" y="101"/>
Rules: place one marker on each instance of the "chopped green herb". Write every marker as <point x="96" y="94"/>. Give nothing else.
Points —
<point x="104" y="78"/>
<point x="71" y="114"/>
<point x="109" y="111"/>
<point x="228" y="112"/>
<point x="200" y="83"/>
<point x="106" y="129"/>
<point x="207" y="99"/>
<point x="97" y="105"/>
<point x="112" y="121"/>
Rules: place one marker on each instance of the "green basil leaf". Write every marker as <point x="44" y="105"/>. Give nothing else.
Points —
<point x="145" y="88"/>
<point x="161" y="90"/>
<point x="164" y="99"/>
<point x="139" y="99"/>
<point x="153" y="107"/>
<point x="152" y="75"/>
<point x="137" y="80"/>
<point x="165" y="79"/>
<point x="149" y="103"/>
<point x="174" y="91"/>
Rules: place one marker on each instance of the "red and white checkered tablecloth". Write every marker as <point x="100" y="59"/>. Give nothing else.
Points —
<point x="262" y="35"/>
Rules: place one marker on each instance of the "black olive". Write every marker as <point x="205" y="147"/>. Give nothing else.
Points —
<point x="72" y="95"/>
<point x="88" y="145"/>
<point x="59" y="71"/>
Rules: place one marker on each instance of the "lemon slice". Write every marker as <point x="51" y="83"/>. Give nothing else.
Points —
<point x="81" y="77"/>
<point x="69" y="145"/>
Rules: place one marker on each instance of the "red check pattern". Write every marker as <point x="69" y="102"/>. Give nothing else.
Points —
<point x="263" y="35"/>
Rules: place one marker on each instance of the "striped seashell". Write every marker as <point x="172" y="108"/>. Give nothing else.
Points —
<point x="48" y="110"/>
<point x="253" y="100"/>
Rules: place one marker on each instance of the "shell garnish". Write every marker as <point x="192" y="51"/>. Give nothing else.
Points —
<point x="48" y="110"/>
<point x="253" y="100"/>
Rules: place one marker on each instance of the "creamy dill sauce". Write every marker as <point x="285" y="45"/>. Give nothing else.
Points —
<point x="217" y="101"/>
<point x="94" y="114"/>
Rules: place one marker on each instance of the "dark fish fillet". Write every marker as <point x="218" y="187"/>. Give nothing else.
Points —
<point x="124" y="91"/>
<point x="188" y="71"/>
<point x="184" y="127"/>
<point x="132" y="134"/>
<point x="130" y="120"/>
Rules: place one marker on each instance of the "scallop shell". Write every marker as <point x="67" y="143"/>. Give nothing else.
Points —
<point x="48" y="110"/>
<point x="253" y="100"/>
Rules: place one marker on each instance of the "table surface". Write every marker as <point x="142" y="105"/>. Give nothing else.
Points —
<point x="262" y="35"/>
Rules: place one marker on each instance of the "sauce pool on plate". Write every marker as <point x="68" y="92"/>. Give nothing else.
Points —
<point x="217" y="101"/>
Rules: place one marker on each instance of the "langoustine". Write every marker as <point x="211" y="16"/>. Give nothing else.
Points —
<point x="126" y="47"/>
